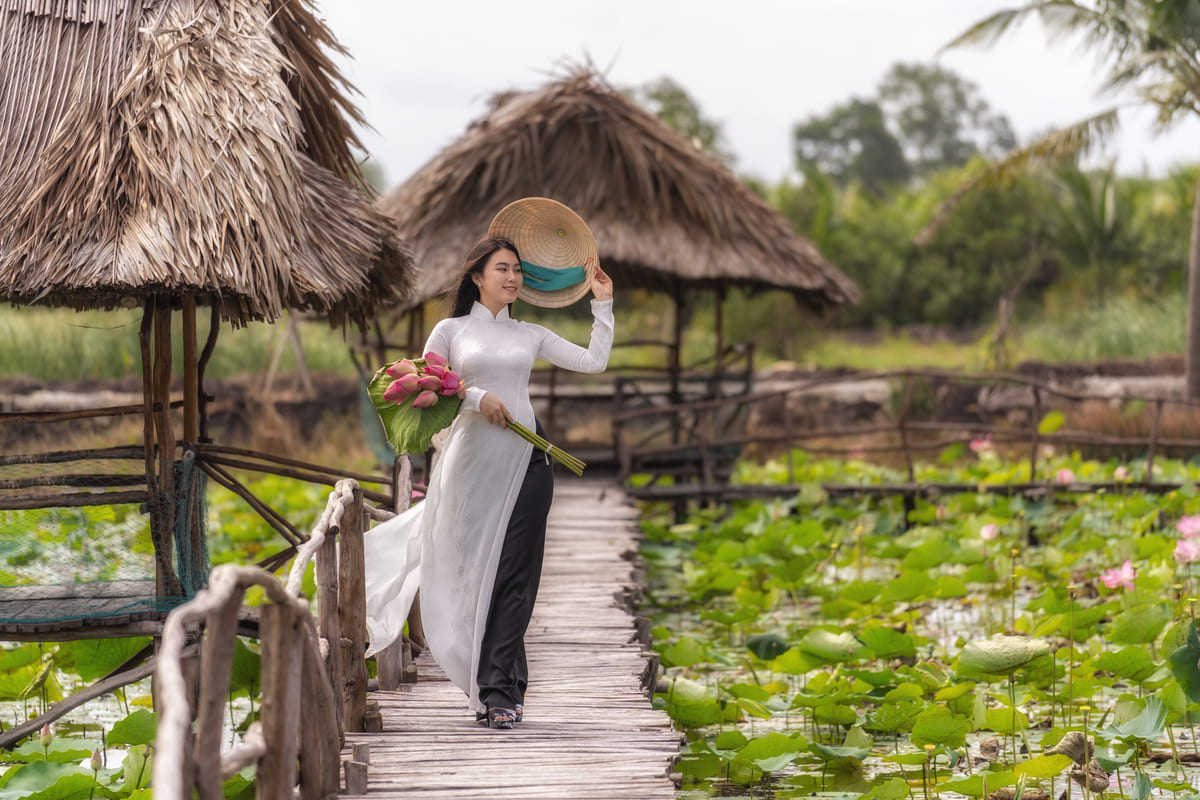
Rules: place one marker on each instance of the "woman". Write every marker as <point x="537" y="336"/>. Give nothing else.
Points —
<point x="474" y="546"/>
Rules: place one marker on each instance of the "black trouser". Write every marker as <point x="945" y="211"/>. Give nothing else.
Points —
<point x="503" y="673"/>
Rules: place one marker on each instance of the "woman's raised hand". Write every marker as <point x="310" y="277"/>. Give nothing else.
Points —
<point x="602" y="285"/>
<point x="493" y="410"/>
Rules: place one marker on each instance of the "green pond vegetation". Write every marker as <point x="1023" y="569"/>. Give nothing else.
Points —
<point x="848" y="647"/>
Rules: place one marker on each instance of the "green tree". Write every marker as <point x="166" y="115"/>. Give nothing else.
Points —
<point x="671" y="103"/>
<point x="851" y="143"/>
<point x="941" y="119"/>
<point x="1151" y="47"/>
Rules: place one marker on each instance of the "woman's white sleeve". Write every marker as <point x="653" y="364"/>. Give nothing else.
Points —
<point x="594" y="358"/>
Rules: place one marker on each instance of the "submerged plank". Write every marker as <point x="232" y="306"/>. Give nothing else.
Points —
<point x="589" y="730"/>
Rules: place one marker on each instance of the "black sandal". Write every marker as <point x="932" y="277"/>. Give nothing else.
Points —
<point x="501" y="717"/>
<point x="518" y="712"/>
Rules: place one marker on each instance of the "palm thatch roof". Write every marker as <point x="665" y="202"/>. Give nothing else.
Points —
<point x="663" y="212"/>
<point x="163" y="147"/>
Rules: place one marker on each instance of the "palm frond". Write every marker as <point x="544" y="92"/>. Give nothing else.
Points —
<point x="1069" y="142"/>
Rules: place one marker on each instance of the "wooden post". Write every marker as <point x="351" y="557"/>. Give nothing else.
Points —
<point x="788" y="441"/>
<point x="320" y="747"/>
<point x="1158" y="407"/>
<point x="210" y="344"/>
<point x="216" y="665"/>
<point x="282" y="662"/>
<point x="191" y="374"/>
<point x="1033" y="447"/>
<point x="352" y="613"/>
<point x="908" y="459"/>
<point x="719" y="363"/>
<point x="328" y="626"/>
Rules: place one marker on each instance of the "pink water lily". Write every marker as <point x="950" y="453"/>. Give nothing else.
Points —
<point x="1064" y="476"/>
<point x="402" y="368"/>
<point x="1189" y="526"/>
<point x="425" y="399"/>
<point x="1119" y="576"/>
<point x="394" y="393"/>
<point x="408" y="384"/>
<point x="432" y="358"/>
<point x="989" y="532"/>
<point x="450" y="383"/>
<point x="431" y="382"/>
<point x="1187" y="551"/>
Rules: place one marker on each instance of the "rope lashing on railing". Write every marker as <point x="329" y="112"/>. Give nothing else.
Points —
<point x="170" y="778"/>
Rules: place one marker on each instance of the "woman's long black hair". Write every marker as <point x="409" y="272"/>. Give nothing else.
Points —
<point x="467" y="293"/>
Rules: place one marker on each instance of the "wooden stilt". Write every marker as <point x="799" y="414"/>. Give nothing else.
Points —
<point x="191" y="375"/>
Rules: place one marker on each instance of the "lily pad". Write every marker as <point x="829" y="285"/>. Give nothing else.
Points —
<point x="1000" y="655"/>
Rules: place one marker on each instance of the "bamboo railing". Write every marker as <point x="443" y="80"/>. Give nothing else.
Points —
<point x="313" y="672"/>
<point x="694" y="443"/>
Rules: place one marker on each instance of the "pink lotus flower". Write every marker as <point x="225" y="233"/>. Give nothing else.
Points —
<point x="1121" y="473"/>
<point x="450" y="383"/>
<point x="940" y="513"/>
<point x="1064" y="476"/>
<point x="394" y="393"/>
<point x="1189" y="526"/>
<point x="434" y="369"/>
<point x="989" y="532"/>
<point x="402" y="368"/>
<point x="408" y="384"/>
<point x="45" y="737"/>
<point x="434" y="359"/>
<point x="1187" y="551"/>
<point x="97" y="762"/>
<point x="979" y="445"/>
<point x="431" y="382"/>
<point x="425" y="399"/>
<point x="1122" y="576"/>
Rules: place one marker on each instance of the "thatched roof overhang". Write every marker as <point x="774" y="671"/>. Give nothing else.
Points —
<point x="664" y="213"/>
<point x="161" y="147"/>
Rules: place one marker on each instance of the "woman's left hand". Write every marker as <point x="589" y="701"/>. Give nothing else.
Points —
<point x="602" y="285"/>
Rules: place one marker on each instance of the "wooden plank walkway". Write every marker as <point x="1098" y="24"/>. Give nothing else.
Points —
<point x="589" y="731"/>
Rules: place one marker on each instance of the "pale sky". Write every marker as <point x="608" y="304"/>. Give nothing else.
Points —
<point x="756" y="66"/>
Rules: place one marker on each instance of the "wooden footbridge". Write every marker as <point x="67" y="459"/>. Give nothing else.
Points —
<point x="589" y="730"/>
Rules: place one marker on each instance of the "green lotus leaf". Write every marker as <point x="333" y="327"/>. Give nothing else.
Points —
<point x="1051" y="422"/>
<point x="137" y="728"/>
<point x="700" y="765"/>
<point x="1185" y="664"/>
<point x="1043" y="766"/>
<point x="1146" y="726"/>
<point x="767" y="645"/>
<point x="1140" y="625"/>
<point x="796" y="662"/>
<point x="887" y="642"/>
<point x="891" y="789"/>
<point x="62" y="750"/>
<point x="1133" y="663"/>
<point x="44" y="780"/>
<point x="908" y="586"/>
<point x="684" y="653"/>
<point x="1000" y="655"/>
<point x="937" y="725"/>
<point x="95" y="658"/>
<point x="771" y="752"/>
<point x="1005" y="720"/>
<point x="833" y="647"/>
<point x="754" y="708"/>
<point x="691" y="704"/>
<point x="730" y="740"/>
<point x="830" y="753"/>
<point x="976" y="785"/>
<point x="894" y="716"/>
<point x="408" y="429"/>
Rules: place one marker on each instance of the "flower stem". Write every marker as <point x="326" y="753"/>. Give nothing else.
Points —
<point x="561" y="456"/>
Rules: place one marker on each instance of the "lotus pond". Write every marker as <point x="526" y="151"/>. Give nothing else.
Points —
<point x="978" y="645"/>
<point x="104" y="749"/>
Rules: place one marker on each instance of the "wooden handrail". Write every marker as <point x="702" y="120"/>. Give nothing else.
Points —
<point x="301" y="658"/>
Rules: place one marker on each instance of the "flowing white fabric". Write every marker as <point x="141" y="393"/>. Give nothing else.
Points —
<point x="449" y="545"/>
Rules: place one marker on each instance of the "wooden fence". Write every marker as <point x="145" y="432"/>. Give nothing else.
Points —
<point x="313" y="671"/>
<point x="686" y="450"/>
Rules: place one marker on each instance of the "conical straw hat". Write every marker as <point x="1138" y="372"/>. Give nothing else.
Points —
<point x="551" y="238"/>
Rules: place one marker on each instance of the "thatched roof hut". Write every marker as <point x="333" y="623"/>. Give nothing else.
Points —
<point x="155" y="147"/>
<point x="176" y="153"/>
<point x="664" y="213"/>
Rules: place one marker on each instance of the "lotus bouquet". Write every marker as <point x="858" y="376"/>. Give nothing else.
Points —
<point x="417" y="397"/>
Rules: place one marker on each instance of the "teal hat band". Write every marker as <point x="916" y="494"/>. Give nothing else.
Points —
<point x="545" y="279"/>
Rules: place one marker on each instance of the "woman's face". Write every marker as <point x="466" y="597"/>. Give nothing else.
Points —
<point x="500" y="280"/>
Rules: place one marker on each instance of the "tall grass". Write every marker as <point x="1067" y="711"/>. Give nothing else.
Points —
<point x="60" y="344"/>
<point x="1127" y="326"/>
